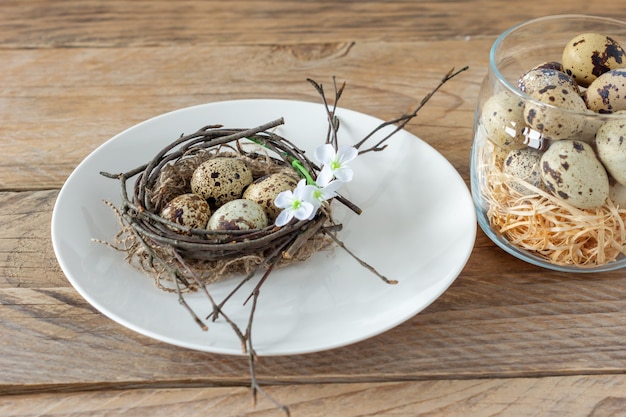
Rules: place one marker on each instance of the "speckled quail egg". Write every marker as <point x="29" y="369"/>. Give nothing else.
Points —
<point x="187" y="210"/>
<point x="551" y="121"/>
<point x="524" y="165"/>
<point x="555" y="65"/>
<point x="544" y="77"/>
<point x="571" y="171"/>
<point x="503" y="120"/>
<point x="607" y="94"/>
<point x="549" y="65"/>
<point x="611" y="146"/>
<point x="265" y="189"/>
<point x="240" y="214"/>
<point x="221" y="179"/>
<point x="589" y="55"/>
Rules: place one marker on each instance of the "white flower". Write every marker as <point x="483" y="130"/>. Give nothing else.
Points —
<point x="296" y="203"/>
<point x="321" y="194"/>
<point x="306" y="199"/>
<point x="334" y="163"/>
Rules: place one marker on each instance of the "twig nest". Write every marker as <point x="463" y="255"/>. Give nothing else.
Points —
<point x="265" y="189"/>
<point x="189" y="210"/>
<point x="240" y="214"/>
<point x="220" y="180"/>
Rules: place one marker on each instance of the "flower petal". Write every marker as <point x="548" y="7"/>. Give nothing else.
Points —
<point x="346" y="154"/>
<point x="344" y="174"/>
<point x="304" y="210"/>
<point x="324" y="154"/>
<point x="330" y="190"/>
<point x="325" y="176"/>
<point x="303" y="191"/>
<point x="284" y="199"/>
<point x="284" y="217"/>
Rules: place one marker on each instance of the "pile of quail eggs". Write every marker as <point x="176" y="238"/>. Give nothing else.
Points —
<point x="225" y="196"/>
<point x="559" y="142"/>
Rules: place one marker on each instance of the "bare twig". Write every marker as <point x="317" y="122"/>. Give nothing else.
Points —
<point x="201" y="285"/>
<point x="359" y="260"/>
<point x="255" y="387"/>
<point x="403" y="120"/>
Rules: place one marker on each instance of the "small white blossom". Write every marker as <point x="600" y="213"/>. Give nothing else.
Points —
<point x="296" y="203"/>
<point x="306" y="199"/>
<point x="321" y="194"/>
<point x="335" y="163"/>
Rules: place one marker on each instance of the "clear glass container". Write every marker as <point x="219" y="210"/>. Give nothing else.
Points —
<point x="542" y="191"/>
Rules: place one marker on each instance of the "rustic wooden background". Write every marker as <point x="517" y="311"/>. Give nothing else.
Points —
<point x="507" y="338"/>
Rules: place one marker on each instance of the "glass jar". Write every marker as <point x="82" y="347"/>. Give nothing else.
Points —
<point x="546" y="189"/>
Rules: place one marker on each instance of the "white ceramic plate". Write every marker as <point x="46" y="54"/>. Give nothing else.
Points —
<point x="418" y="226"/>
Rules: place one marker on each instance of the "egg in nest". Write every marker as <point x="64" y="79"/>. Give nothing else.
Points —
<point x="220" y="180"/>
<point x="264" y="191"/>
<point x="189" y="210"/>
<point x="240" y="214"/>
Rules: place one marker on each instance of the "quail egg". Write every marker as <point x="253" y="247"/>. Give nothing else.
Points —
<point x="617" y="193"/>
<point x="221" y="179"/>
<point x="611" y="146"/>
<point x="240" y="214"/>
<point x="551" y="120"/>
<point x="551" y="65"/>
<point x="503" y="119"/>
<point x="187" y="210"/>
<point x="265" y="189"/>
<point x="607" y="94"/>
<point x="589" y="55"/>
<point x="524" y="165"/>
<point x="571" y="171"/>
<point x="545" y="77"/>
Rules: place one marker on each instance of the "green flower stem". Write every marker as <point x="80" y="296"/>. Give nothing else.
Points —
<point x="300" y="169"/>
<point x="295" y="163"/>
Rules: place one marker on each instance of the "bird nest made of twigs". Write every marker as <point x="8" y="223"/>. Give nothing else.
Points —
<point x="154" y="243"/>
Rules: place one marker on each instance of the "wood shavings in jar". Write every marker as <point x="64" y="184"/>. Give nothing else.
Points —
<point x="549" y="227"/>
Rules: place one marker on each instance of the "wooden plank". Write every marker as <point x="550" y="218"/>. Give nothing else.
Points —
<point x="56" y="106"/>
<point x="520" y="397"/>
<point x="26" y="256"/>
<point x="490" y="323"/>
<point x="42" y="24"/>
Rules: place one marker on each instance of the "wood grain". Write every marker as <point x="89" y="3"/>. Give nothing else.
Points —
<point x="547" y="397"/>
<point x="65" y="103"/>
<point x="43" y="24"/>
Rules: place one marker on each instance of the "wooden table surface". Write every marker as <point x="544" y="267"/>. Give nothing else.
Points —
<point x="506" y="339"/>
